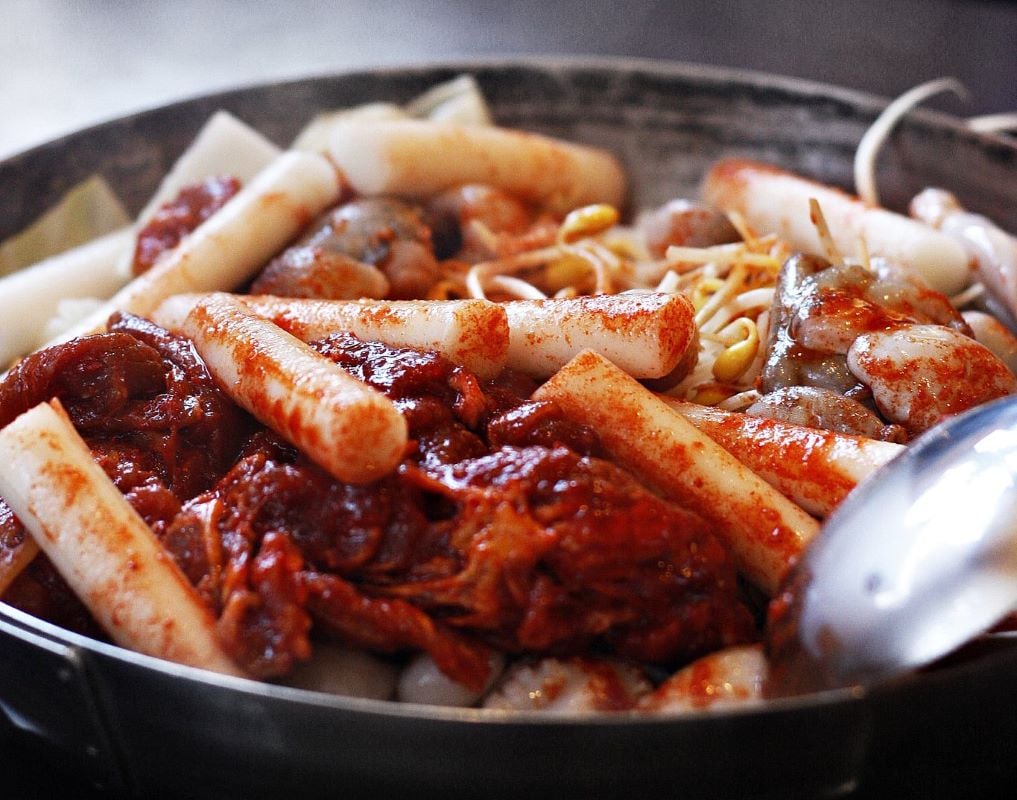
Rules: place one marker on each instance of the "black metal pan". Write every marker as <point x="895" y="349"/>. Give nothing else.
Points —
<point x="135" y="725"/>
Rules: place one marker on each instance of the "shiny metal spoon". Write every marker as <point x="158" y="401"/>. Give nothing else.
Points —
<point x="919" y="559"/>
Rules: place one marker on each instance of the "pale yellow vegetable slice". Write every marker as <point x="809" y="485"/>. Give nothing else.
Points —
<point x="223" y="146"/>
<point x="99" y="544"/>
<point x="763" y="529"/>
<point x="458" y="100"/>
<point x="15" y="561"/>
<point x="349" y="429"/>
<point x="87" y="211"/>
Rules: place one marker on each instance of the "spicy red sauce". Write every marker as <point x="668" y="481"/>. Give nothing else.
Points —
<point x="499" y="528"/>
<point x="174" y="220"/>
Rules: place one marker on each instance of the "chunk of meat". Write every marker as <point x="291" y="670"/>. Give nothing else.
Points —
<point x="788" y="361"/>
<point x="539" y="422"/>
<point x="452" y="215"/>
<point x="561" y="552"/>
<point x="140" y="391"/>
<point x="386" y="237"/>
<point x="439" y="400"/>
<point x="174" y="220"/>
<point x="834" y="329"/>
<point x="529" y="550"/>
<point x="492" y="533"/>
<point x="682" y="223"/>
<point x="317" y="273"/>
<point x="469" y="546"/>
<point x="389" y="625"/>
<point x="153" y="418"/>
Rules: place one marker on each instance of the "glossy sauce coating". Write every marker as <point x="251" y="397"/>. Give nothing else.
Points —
<point x="514" y="542"/>
<point x="817" y="468"/>
<point x="100" y="545"/>
<point x="499" y="528"/>
<point x="174" y="220"/>
<point x="763" y="529"/>
<point x="348" y="428"/>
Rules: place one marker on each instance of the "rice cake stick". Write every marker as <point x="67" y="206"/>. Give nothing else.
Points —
<point x="774" y="201"/>
<point x="348" y="428"/>
<point x="815" y="468"/>
<point x="99" y="544"/>
<point x="762" y="528"/>
<point x="232" y="244"/>
<point x="29" y="298"/>
<point x="420" y="158"/>
<point x="645" y="334"/>
<point x="473" y="333"/>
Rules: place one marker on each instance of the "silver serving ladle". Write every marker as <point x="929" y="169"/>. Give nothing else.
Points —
<point x="920" y="558"/>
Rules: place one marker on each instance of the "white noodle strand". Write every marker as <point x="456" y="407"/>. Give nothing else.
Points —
<point x="868" y="147"/>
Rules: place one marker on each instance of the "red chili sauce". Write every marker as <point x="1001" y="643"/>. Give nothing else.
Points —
<point x="179" y="217"/>
<point x="502" y="528"/>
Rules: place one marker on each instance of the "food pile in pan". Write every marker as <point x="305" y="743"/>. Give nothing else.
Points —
<point x="408" y="411"/>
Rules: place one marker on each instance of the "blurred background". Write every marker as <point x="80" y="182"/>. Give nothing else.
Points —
<point x="70" y="63"/>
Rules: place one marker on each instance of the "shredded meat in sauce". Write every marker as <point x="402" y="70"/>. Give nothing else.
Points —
<point x="502" y="528"/>
<point x="154" y="420"/>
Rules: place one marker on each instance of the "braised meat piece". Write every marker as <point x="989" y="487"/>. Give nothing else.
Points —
<point x="559" y="553"/>
<point x="174" y="220"/>
<point x="140" y="392"/>
<point x="374" y="247"/>
<point x="492" y="533"/>
<point x="685" y="224"/>
<point x="154" y="420"/>
<point x="501" y="528"/>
